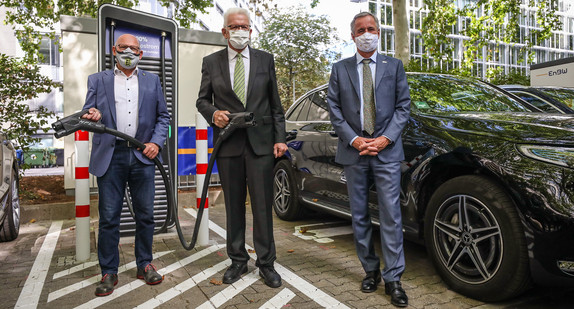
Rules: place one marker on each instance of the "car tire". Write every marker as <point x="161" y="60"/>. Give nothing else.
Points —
<point x="474" y="237"/>
<point x="285" y="194"/>
<point x="11" y="225"/>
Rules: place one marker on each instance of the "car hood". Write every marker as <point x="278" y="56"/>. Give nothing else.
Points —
<point x="518" y="127"/>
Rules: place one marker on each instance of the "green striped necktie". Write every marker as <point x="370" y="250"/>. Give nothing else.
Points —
<point x="239" y="78"/>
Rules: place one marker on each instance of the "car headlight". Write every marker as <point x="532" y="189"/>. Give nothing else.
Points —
<point x="555" y="155"/>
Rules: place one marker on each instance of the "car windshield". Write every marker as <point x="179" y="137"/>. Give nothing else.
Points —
<point x="442" y="94"/>
<point x="563" y="95"/>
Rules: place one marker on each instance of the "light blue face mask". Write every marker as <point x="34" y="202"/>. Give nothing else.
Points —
<point x="127" y="59"/>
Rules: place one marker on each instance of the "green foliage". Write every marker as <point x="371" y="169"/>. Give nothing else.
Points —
<point x="21" y="81"/>
<point x="299" y="42"/>
<point x="487" y="24"/>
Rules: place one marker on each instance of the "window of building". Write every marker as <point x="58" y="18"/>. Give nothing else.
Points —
<point x="218" y="9"/>
<point x="50" y="51"/>
<point x="203" y="26"/>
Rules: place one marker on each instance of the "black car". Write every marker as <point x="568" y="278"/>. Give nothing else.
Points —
<point x="547" y="99"/>
<point x="487" y="185"/>
<point x="9" y="197"/>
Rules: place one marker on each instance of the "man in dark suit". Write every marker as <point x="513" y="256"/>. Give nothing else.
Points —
<point x="238" y="79"/>
<point x="369" y="103"/>
<point x="131" y="101"/>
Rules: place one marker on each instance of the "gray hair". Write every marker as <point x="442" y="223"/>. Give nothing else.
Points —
<point x="230" y="11"/>
<point x="363" y="14"/>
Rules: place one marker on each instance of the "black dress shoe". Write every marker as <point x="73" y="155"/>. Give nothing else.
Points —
<point x="270" y="276"/>
<point x="106" y="286"/>
<point x="234" y="272"/>
<point x="370" y="282"/>
<point x="398" y="296"/>
<point x="149" y="275"/>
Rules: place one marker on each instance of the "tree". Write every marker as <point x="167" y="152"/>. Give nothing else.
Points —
<point x="487" y="24"/>
<point x="299" y="42"/>
<point x="402" y="31"/>
<point x="20" y="81"/>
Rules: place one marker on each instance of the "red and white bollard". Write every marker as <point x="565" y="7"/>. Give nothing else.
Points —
<point x="201" y="162"/>
<point x="82" y="196"/>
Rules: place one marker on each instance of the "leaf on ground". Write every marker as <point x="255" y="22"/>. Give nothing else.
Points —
<point x="215" y="282"/>
<point x="303" y="230"/>
<point x="290" y="250"/>
<point x="250" y="250"/>
<point x="33" y="220"/>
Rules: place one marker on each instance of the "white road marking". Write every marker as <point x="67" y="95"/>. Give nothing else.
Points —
<point x="323" y="235"/>
<point x="279" y="300"/>
<point x="184" y="286"/>
<point x="74" y="269"/>
<point x="138" y="282"/>
<point x="95" y="279"/>
<point x="231" y="291"/>
<point x="297" y="282"/>
<point x="32" y="290"/>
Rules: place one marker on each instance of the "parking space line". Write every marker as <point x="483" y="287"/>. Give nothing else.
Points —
<point x="88" y="282"/>
<point x="30" y="294"/>
<point x="74" y="269"/>
<point x="231" y="291"/>
<point x="184" y="286"/>
<point x="297" y="282"/>
<point x="138" y="282"/>
<point x="279" y="300"/>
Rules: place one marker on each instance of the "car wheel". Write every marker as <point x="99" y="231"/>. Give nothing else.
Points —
<point x="11" y="225"/>
<point x="475" y="239"/>
<point x="285" y="194"/>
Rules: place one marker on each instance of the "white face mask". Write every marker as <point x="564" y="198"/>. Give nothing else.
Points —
<point x="239" y="38"/>
<point x="367" y="42"/>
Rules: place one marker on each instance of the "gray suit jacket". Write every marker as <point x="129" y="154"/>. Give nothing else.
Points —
<point x="216" y="93"/>
<point x="392" y="100"/>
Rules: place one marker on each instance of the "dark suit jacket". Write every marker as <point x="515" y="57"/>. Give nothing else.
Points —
<point x="392" y="100"/>
<point x="216" y="93"/>
<point x="153" y="117"/>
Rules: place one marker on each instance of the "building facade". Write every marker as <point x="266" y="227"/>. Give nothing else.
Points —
<point x="506" y="56"/>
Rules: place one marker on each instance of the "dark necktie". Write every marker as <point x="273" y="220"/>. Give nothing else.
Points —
<point x="368" y="98"/>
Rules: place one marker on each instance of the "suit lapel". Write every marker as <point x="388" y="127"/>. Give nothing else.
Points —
<point x="351" y="65"/>
<point x="108" y="79"/>
<point x="253" y="63"/>
<point x="142" y="83"/>
<point x="224" y="67"/>
<point x="381" y="69"/>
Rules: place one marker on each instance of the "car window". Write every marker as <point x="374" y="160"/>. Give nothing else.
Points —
<point x="439" y="93"/>
<point x="565" y="96"/>
<point x="304" y="109"/>
<point x="318" y="109"/>
<point x="536" y="101"/>
<point x="292" y="115"/>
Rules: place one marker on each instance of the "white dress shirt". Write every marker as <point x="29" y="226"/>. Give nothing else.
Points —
<point x="126" y="96"/>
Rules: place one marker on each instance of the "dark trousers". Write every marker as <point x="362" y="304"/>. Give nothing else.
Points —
<point x="387" y="178"/>
<point x="256" y="173"/>
<point x="125" y="168"/>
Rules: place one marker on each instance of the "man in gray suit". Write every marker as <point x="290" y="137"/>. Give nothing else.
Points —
<point x="239" y="79"/>
<point x="369" y="104"/>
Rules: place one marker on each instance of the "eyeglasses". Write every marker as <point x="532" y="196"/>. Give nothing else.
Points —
<point x="238" y="27"/>
<point x="122" y="47"/>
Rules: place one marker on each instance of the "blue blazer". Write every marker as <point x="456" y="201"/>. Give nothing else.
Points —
<point x="392" y="101"/>
<point x="153" y="117"/>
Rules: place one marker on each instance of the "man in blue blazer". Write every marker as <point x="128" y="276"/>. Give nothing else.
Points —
<point x="131" y="101"/>
<point x="369" y="103"/>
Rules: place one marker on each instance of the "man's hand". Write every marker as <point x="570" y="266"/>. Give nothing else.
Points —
<point x="360" y="142"/>
<point x="220" y="118"/>
<point x="151" y="150"/>
<point x="279" y="149"/>
<point x="373" y="146"/>
<point x="93" y="115"/>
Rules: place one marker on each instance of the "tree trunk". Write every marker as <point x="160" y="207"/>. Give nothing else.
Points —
<point x="402" y="35"/>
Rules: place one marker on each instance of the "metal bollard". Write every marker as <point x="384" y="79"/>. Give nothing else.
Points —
<point x="201" y="159"/>
<point x="82" y="196"/>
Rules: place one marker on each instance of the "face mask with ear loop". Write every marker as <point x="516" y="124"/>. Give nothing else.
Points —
<point x="127" y="59"/>
<point x="239" y="39"/>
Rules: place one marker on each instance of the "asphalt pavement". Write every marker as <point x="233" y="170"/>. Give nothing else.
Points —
<point x="315" y="257"/>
